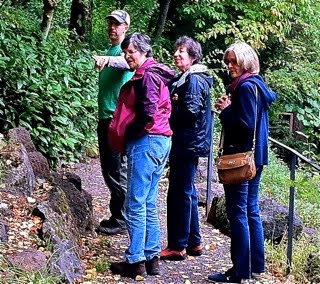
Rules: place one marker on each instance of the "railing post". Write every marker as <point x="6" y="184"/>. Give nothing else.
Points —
<point x="209" y="168"/>
<point x="293" y="162"/>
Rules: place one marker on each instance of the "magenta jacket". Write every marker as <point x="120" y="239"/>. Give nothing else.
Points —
<point x="153" y="105"/>
<point x="143" y="105"/>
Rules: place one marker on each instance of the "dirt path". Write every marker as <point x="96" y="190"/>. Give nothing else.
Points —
<point x="100" y="250"/>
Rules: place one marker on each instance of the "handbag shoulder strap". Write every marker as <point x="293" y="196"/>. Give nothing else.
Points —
<point x="220" y="152"/>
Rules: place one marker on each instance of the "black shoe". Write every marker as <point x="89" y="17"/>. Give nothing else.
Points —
<point x="107" y="223"/>
<point x="112" y="222"/>
<point x="152" y="266"/>
<point x="109" y="231"/>
<point x="223" y="278"/>
<point x="126" y="269"/>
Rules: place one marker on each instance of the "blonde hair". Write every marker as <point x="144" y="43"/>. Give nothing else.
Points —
<point x="246" y="57"/>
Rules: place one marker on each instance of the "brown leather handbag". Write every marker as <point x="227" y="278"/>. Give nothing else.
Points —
<point x="236" y="168"/>
<point x="239" y="167"/>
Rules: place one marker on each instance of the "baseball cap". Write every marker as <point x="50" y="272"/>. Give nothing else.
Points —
<point x="121" y="16"/>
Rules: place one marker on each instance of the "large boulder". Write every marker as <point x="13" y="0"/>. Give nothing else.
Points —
<point x="39" y="165"/>
<point x="79" y="201"/>
<point x="60" y="228"/>
<point x="18" y="175"/>
<point x="21" y="135"/>
<point x="274" y="218"/>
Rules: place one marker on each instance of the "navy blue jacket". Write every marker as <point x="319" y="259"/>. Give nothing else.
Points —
<point x="190" y="118"/>
<point x="238" y="119"/>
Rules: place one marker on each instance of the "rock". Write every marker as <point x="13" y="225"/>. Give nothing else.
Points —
<point x="3" y="231"/>
<point x="39" y="165"/>
<point x="217" y="215"/>
<point x="29" y="260"/>
<point x="73" y="178"/>
<point x="66" y="263"/>
<point x="60" y="228"/>
<point x="201" y="181"/>
<point x="18" y="175"/>
<point x="21" y="135"/>
<point x="79" y="201"/>
<point x="274" y="218"/>
<point x="4" y="210"/>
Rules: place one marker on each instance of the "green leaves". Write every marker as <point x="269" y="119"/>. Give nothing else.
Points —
<point x="49" y="88"/>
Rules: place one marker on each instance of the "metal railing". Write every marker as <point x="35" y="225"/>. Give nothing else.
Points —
<point x="293" y="162"/>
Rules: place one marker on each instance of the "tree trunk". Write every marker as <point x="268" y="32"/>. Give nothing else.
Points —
<point x="48" y="10"/>
<point x="80" y="17"/>
<point x="164" y="8"/>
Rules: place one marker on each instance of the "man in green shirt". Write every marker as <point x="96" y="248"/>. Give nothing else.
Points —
<point x="113" y="74"/>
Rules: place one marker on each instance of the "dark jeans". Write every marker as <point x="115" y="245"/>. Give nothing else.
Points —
<point x="247" y="242"/>
<point x="114" y="171"/>
<point x="182" y="203"/>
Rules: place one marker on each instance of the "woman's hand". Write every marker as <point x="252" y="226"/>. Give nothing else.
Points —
<point x="222" y="102"/>
<point x="100" y="61"/>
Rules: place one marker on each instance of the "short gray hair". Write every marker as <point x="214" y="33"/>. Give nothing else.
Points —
<point x="140" y="41"/>
<point x="246" y="57"/>
<point x="193" y="47"/>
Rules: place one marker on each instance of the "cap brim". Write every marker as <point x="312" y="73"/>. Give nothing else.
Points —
<point x="117" y="18"/>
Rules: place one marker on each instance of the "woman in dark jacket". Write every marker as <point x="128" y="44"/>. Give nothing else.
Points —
<point x="190" y="122"/>
<point x="244" y="109"/>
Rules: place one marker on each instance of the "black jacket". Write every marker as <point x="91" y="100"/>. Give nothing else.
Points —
<point x="190" y="119"/>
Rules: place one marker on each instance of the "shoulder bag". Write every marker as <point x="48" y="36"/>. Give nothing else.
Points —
<point x="239" y="167"/>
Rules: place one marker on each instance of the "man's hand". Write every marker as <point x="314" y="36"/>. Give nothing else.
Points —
<point x="222" y="103"/>
<point x="100" y="61"/>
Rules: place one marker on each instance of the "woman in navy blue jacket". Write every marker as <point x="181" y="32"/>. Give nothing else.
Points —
<point x="190" y="122"/>
<point x="238" y="117"/>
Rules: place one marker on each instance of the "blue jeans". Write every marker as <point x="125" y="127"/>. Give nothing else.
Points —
<point x="182" y="203"/>
<point x="247" y="242"/>
<point x="147" y="156"/>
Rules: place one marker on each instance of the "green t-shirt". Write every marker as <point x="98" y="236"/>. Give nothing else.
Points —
<point x="110" y="82"/>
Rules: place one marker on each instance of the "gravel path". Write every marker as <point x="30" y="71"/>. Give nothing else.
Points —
<point x="99" y="250"/>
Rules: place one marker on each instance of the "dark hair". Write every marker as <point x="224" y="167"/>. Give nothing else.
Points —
<point x="193" y="47"/>
<point x="140" y="41"/>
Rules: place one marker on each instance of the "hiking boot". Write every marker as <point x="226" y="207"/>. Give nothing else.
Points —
<point x="152" y="266"/>
<point x="126" y="269"/>
<point x="195" y="250"/>
<point x="109" y="231"/>
<point x="168" y="254"/>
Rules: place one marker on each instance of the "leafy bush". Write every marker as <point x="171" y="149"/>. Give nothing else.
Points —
<point x="47" y="87"/>
<point x="276" y="182"/>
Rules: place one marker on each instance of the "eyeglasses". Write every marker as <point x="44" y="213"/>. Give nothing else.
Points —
<point x="130" y="52"/>
<point x="233" y="62"/>
<point x="115" y="23"/>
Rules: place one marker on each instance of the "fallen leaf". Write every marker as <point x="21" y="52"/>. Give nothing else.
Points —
<point x="139" y="278"/>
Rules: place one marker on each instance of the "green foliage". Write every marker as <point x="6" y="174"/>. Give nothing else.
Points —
<point x="47" y="87"/>
<point x="276" y="256"/>
<point x="101" y="266"/>
<point x="276" y="182"/>
<point x="297" y="85"/>
<point x="140" y="12"/>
